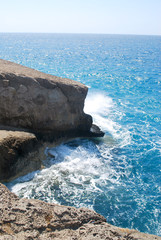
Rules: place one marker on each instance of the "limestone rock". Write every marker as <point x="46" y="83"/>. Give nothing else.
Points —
<point x="18" y="154"/>
<point x="22" y="219"/>
<point x="41" y="102"/>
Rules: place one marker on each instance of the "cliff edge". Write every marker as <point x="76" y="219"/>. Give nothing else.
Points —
<point x="41" y="102"/>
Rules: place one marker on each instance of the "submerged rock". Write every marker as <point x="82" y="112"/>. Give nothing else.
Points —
<point x="33" y="219"/>
<point x="41" y="102"/>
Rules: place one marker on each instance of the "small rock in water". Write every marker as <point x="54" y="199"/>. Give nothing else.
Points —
<point x="95" y="131"/>
<point x="49" y="153"/>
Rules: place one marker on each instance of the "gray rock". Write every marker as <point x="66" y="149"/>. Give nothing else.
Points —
<point x="41" y="102"/>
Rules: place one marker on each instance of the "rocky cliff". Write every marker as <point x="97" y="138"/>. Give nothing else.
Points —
<point x="41" y="102"/>
<point x="22" y="219"/>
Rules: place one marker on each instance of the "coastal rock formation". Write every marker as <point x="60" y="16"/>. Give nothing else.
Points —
<point x="50" y="107"/>
<point x="22" y="219"/>
<point x="18" y="154"/>
<point x="41" y="102"/>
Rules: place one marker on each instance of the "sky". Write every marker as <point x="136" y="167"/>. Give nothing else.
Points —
<point x="141" y="17"/>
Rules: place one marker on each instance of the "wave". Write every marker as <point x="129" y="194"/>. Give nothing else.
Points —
<point x="105" y="114"/>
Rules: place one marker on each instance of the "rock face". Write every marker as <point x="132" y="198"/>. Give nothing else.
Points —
<point x="41" y="102"/>
<point x="18" y="154"/>
<point x="22" y="219"/>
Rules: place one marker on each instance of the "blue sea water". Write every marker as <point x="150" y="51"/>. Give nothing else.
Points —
<point x="119" y="176"/>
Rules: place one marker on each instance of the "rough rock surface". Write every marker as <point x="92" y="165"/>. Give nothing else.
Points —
<point x="22" y="219"/>
<point x="34" y="100"/>
<point x="18" y="154"/>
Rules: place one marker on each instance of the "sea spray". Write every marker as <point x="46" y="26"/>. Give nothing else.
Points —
<point x="105" y="114"/>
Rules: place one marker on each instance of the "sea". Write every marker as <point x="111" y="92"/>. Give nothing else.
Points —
<point x="119" y="175"/>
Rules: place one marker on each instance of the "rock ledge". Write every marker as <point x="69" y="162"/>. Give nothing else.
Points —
<point x="23" y="219"/>
<point x="40" y="102"/>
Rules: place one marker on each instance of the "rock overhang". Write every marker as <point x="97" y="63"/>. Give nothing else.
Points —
<point x="34" y="100"/>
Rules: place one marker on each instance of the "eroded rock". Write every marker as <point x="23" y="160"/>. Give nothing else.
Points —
<point x="41" y="102"/>
<point x="23" y="219"/>
<point x="18" y="154"/>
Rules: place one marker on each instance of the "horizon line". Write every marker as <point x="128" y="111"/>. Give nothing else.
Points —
<point x="83" y="33"/>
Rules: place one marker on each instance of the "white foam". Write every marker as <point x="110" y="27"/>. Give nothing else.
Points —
<point x="77" y="176"/>
<point x="105" y="114"/>
<point x="98" y="103"/>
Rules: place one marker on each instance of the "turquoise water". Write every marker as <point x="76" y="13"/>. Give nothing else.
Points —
<point x="118" y="176"/>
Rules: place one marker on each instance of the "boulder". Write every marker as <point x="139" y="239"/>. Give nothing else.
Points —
<point x="41" y="102"/>
<point x="23" y="219"/>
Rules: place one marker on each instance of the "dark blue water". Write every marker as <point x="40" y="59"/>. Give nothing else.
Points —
<point x="118" y="176"/>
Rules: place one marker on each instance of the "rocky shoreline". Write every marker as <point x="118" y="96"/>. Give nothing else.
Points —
<point x="33" y="219"/>
<point x="36" y="108"/>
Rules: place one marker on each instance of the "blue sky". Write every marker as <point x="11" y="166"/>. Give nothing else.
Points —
<point x="81" y="16"/>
